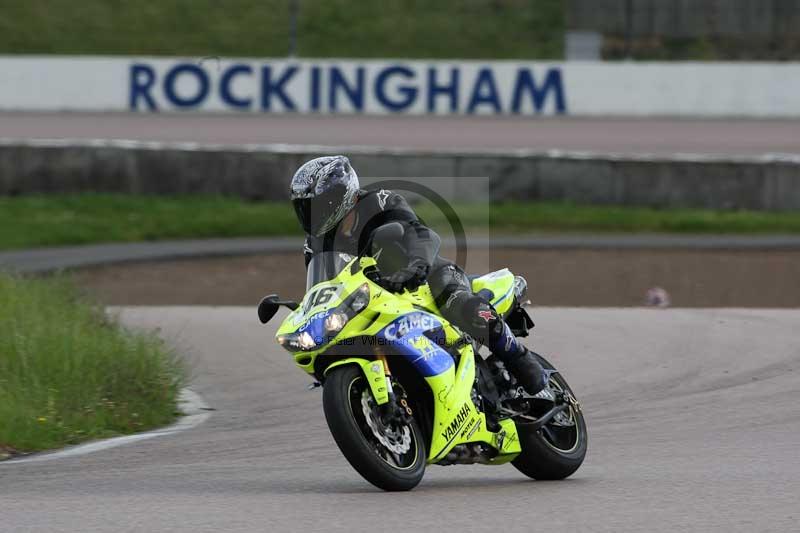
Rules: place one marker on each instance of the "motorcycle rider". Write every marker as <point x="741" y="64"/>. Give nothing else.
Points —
<point x="337" y="215"/>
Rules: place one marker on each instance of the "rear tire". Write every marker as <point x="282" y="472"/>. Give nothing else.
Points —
<point x="540" y="458"/>
<point x="343" y="388"/>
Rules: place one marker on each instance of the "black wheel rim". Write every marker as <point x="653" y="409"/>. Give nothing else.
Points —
<point x="563" y="433"/>
<point x="394" y="444"/>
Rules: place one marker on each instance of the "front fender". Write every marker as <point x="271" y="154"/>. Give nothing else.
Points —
<point x="373" y="371"/>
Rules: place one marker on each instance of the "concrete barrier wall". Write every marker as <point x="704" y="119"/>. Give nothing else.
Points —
<point x="263" y="171"/>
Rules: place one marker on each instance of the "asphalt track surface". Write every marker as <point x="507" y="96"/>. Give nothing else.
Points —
<point x="693" y="426"/>
<point x="661" y="136"/>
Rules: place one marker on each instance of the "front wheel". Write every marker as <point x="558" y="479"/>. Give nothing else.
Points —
<point x="387" y="451"/>
<point x="556" y="450"/>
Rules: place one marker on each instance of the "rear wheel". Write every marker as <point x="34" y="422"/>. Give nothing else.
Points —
<point x="557" y="449"/>
<point x="387" y="451"/>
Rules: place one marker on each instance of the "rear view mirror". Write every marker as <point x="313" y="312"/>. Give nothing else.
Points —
<point x="269" y="306"/>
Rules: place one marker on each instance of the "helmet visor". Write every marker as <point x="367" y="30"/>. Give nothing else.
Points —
<point x="320" y="214"/>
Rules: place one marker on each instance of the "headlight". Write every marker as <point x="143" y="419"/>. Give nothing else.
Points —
<point x="350" y="307"/>
<point x="335" y="322"/>
<point x="306" y="341"/>
<point x="297" y="341"/>
<point x="359" y="299"/>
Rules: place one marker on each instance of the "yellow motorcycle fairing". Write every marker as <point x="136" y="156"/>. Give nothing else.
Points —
<point x="400" y="326"/>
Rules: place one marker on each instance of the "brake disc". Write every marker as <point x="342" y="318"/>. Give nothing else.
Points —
<point x="394" y="441"/>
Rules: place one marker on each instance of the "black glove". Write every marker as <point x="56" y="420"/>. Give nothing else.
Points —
<point x="409" y="277"/>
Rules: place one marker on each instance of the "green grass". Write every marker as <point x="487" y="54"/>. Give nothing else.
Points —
<point x="526" y="29"/>
<point x="563" y="217"/>
<point x="29" y="221"/>
<point x="32" y="221"/>
<point x="69" y="374"/>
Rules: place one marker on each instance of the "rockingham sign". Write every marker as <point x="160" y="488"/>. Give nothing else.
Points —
<point x="378" y="88"/>
<point x="383" y="87"/>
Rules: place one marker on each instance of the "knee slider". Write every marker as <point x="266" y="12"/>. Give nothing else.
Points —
<point x="482" y="318"/>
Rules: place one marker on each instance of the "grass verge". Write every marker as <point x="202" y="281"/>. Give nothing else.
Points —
<point x="69" y="374"/>
<point x="31" y="221"/>
<point x="260" y="28"/>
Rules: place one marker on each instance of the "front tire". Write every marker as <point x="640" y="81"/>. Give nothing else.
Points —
<point x="391" y="457"/>
<point x="553" y="452"/>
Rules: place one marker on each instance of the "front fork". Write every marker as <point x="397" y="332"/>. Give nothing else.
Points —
<point x="391" y="407"/>
<point x="387" y="372"/>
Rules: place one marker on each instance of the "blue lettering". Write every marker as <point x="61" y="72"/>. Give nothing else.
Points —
<point x="526" y="82"/>
<point x="410" y="93"/>
<point x="171" y="80"/>
<point x="225" y="87"/>
<point x="315" y="75"/>
<point x="450" y="89"/>
<point x="268" y="87"/>
<point x="484" y="92"/>
<point x="142" y="78"/>
<point x="354" y="94"/>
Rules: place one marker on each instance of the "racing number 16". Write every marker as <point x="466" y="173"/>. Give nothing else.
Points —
<point x="320" y="297"/>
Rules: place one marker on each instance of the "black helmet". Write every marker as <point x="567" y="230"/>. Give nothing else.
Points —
<point x="323" y="191"/>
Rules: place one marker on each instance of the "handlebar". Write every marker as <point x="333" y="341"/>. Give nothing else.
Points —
<point x="374" y="275"/>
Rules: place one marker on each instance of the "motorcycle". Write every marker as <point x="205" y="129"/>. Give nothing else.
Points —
<point x="403" y="388"/>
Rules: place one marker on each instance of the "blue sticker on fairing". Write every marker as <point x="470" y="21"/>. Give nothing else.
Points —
<point x="315" y="326"/>
<point x="406" y="335"/>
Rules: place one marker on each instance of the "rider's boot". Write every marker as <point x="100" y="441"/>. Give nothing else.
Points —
<point x="518" y="359"/>
<point x="527" y="370"/>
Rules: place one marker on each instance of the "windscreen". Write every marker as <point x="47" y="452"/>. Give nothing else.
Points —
<point x="325" y="266"/>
